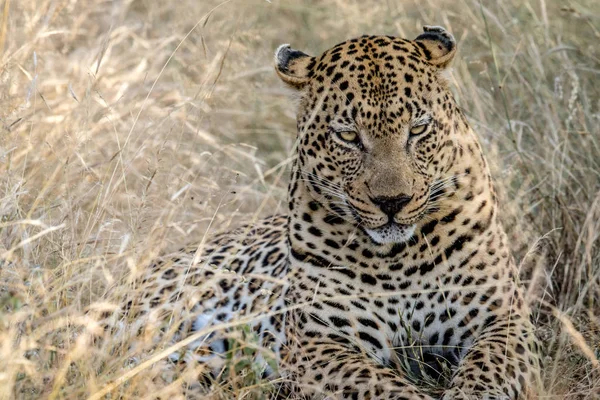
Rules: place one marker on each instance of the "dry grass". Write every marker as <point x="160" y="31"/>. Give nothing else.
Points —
<point x="132" y="127"/>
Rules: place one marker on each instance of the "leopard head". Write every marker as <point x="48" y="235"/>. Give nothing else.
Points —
<point x="377" y="128"/>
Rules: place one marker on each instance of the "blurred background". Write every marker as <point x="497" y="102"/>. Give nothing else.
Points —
<point x="130" y="128"/>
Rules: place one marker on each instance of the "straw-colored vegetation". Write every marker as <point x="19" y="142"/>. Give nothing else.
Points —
<point x="130" y="128"/>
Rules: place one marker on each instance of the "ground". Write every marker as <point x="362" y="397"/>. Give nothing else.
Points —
<point x="132" y="128"/>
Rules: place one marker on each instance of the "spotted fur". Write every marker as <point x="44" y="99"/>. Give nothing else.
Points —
<point x="392" y="241"/>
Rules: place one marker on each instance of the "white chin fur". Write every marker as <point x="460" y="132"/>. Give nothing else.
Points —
<point x="391" y="233"/>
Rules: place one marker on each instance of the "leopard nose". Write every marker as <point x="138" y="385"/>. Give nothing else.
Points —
<point x="391" y="205"/>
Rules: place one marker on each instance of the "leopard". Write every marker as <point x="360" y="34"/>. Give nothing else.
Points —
<point x="392" y="248"/>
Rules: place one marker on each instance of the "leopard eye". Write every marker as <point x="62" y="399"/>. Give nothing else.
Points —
<point x="417" y="130"/>
<point x="348" y="136"/>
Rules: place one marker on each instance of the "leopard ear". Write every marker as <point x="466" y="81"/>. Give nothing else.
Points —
<point x="293" y="66"/>
<point x="438" y="45"/>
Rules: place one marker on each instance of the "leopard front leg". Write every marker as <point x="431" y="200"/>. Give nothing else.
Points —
<point x="503" y="363"/>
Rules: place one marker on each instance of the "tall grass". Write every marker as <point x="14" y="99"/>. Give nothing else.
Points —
<point x="132" y="128"/>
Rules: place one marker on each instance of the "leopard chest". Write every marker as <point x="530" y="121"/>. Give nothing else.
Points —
<point x="380" y="312"/>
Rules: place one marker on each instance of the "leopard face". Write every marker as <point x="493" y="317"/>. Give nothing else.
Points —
<point x="375" y="129"/>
